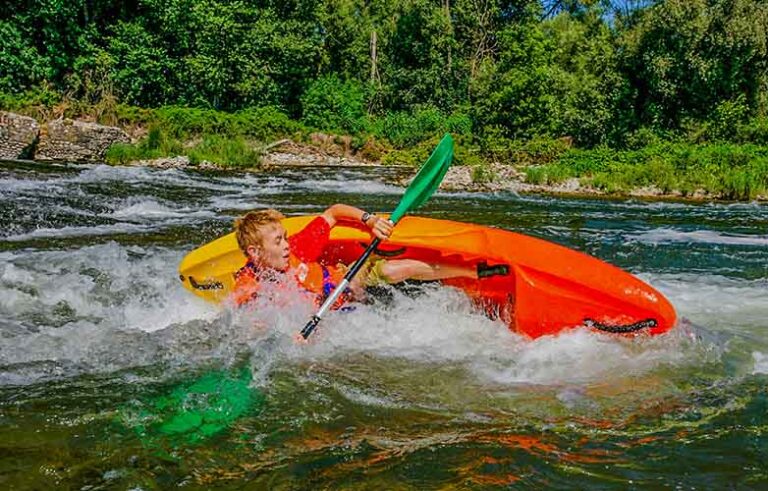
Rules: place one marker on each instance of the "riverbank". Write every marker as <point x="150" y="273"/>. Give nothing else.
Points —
<point x="261" y="139"/>
<point x="488" y="177"/>
<point x="493" y="177"/>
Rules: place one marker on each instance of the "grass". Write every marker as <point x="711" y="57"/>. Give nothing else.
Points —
<point x="723" y="170"/>
<point x="233" y="151"/>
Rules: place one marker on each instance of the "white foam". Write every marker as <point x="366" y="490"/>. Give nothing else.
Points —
<point x="240" y="202"/>
<point x="122" y="287"/>
<point x="441" y="328"/>
<point x="95" y="310"/>
<point x="716" y="301"/>
<point x="479" y="195"/>
<point x="256" y="184"/>
<point x="69" y="232"/>
<point x="148" y="209"/>
<point x="111" y="288"/>
<point x="101" y="174"/>
<point x="761" y="363"/>
<point x="668" y="235"/>
<point x="352" y="186"/>
<point x="582" y="356"/>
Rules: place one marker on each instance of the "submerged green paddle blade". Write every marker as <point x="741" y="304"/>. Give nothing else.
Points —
<point x="193" y="411"/>
<point x="427" y="180"/>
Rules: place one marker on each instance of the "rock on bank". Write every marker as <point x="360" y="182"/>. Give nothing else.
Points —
<point x="18" y="136"/>
<point x="61" y="139"/>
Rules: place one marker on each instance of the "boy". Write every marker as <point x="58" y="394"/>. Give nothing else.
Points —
<point x="273" y="257"/>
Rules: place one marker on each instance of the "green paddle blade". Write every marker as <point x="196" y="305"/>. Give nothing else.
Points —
<point x="427" y="180"/>
<point x="193" y="411"/>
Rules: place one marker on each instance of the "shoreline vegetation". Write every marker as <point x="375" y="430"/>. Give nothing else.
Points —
<point x="263" y="138"/>
<point x="658" y="98"/>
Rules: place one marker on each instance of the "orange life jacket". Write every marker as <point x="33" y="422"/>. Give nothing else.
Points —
<point x="313" y="277"/>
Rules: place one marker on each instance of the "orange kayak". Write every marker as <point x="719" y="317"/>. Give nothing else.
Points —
<point x="550" y="288"/>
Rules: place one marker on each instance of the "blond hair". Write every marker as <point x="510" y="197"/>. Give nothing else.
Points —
<point x="248" y="228"/>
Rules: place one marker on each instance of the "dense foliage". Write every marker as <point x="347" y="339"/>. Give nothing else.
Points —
<point x="621" y="74"/>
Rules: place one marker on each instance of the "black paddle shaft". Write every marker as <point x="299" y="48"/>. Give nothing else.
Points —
<point x="315" y="320"/>
<point x="359" y="263"/>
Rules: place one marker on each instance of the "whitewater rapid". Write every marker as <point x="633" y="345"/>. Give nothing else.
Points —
<point x="89" y="285"/>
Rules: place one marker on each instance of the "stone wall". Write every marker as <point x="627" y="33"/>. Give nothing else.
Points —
<point x="18" y="135"/>
<point x="65" y="139"/>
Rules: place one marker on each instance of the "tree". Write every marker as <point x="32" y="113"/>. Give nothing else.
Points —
<point x="142" y="70"/>
<point x="684" y="57"/>
<point x="587" y="85"/>
<point x="515" y="93"/>
<point x="21" y="65"/>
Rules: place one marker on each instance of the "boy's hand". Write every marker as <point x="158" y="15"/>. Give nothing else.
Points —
<point x="299" y="339"/>
<point x="380" y="227"/>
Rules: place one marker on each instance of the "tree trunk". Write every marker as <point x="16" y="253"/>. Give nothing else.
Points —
<point x="374" y="67"/>
<point x="447" y="8"/>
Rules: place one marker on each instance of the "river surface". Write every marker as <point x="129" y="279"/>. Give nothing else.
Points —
<point x="112" y="376"/>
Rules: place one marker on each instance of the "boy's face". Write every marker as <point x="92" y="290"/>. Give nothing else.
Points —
<point x="273" y="252"/>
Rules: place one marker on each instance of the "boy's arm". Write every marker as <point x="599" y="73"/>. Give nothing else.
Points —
<point x="381" y="228"/>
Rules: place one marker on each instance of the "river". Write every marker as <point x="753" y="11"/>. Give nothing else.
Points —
<point x="112" y="376"/>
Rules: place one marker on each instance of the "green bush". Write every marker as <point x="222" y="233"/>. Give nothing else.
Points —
<point x="143" y="71"/>
<point x="155" y="145"/>
<point x="335" y="105"/>
<point x="406" y="129"/>
<point x="661" y="173"/>
<point x="754" y="131"/>
<point x="218" y="149"/>
<point x="483" y="174"/>
<point x="537" y="151"/>
<point x="536" y="174"/>
<point x="467" y="153"/>
<point x="184" y="122"/>
<point x="727" y="117"/>
<point x="35" y="102"/>
<point x="641" y="138"/>
<point x="413" y="156"/>
<point x="605" y="182"/>
<point x="261" y="123"/>
<point x="122" y="154"/>
<point x="126" y="115"/>
<point x="585" y="162"/>
<point x="232" y="151"/>
<point x="548" y="174"/>
<point x="265" y="123"/>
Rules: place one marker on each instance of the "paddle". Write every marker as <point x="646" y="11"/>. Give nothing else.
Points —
<point x="419" y="191"/>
